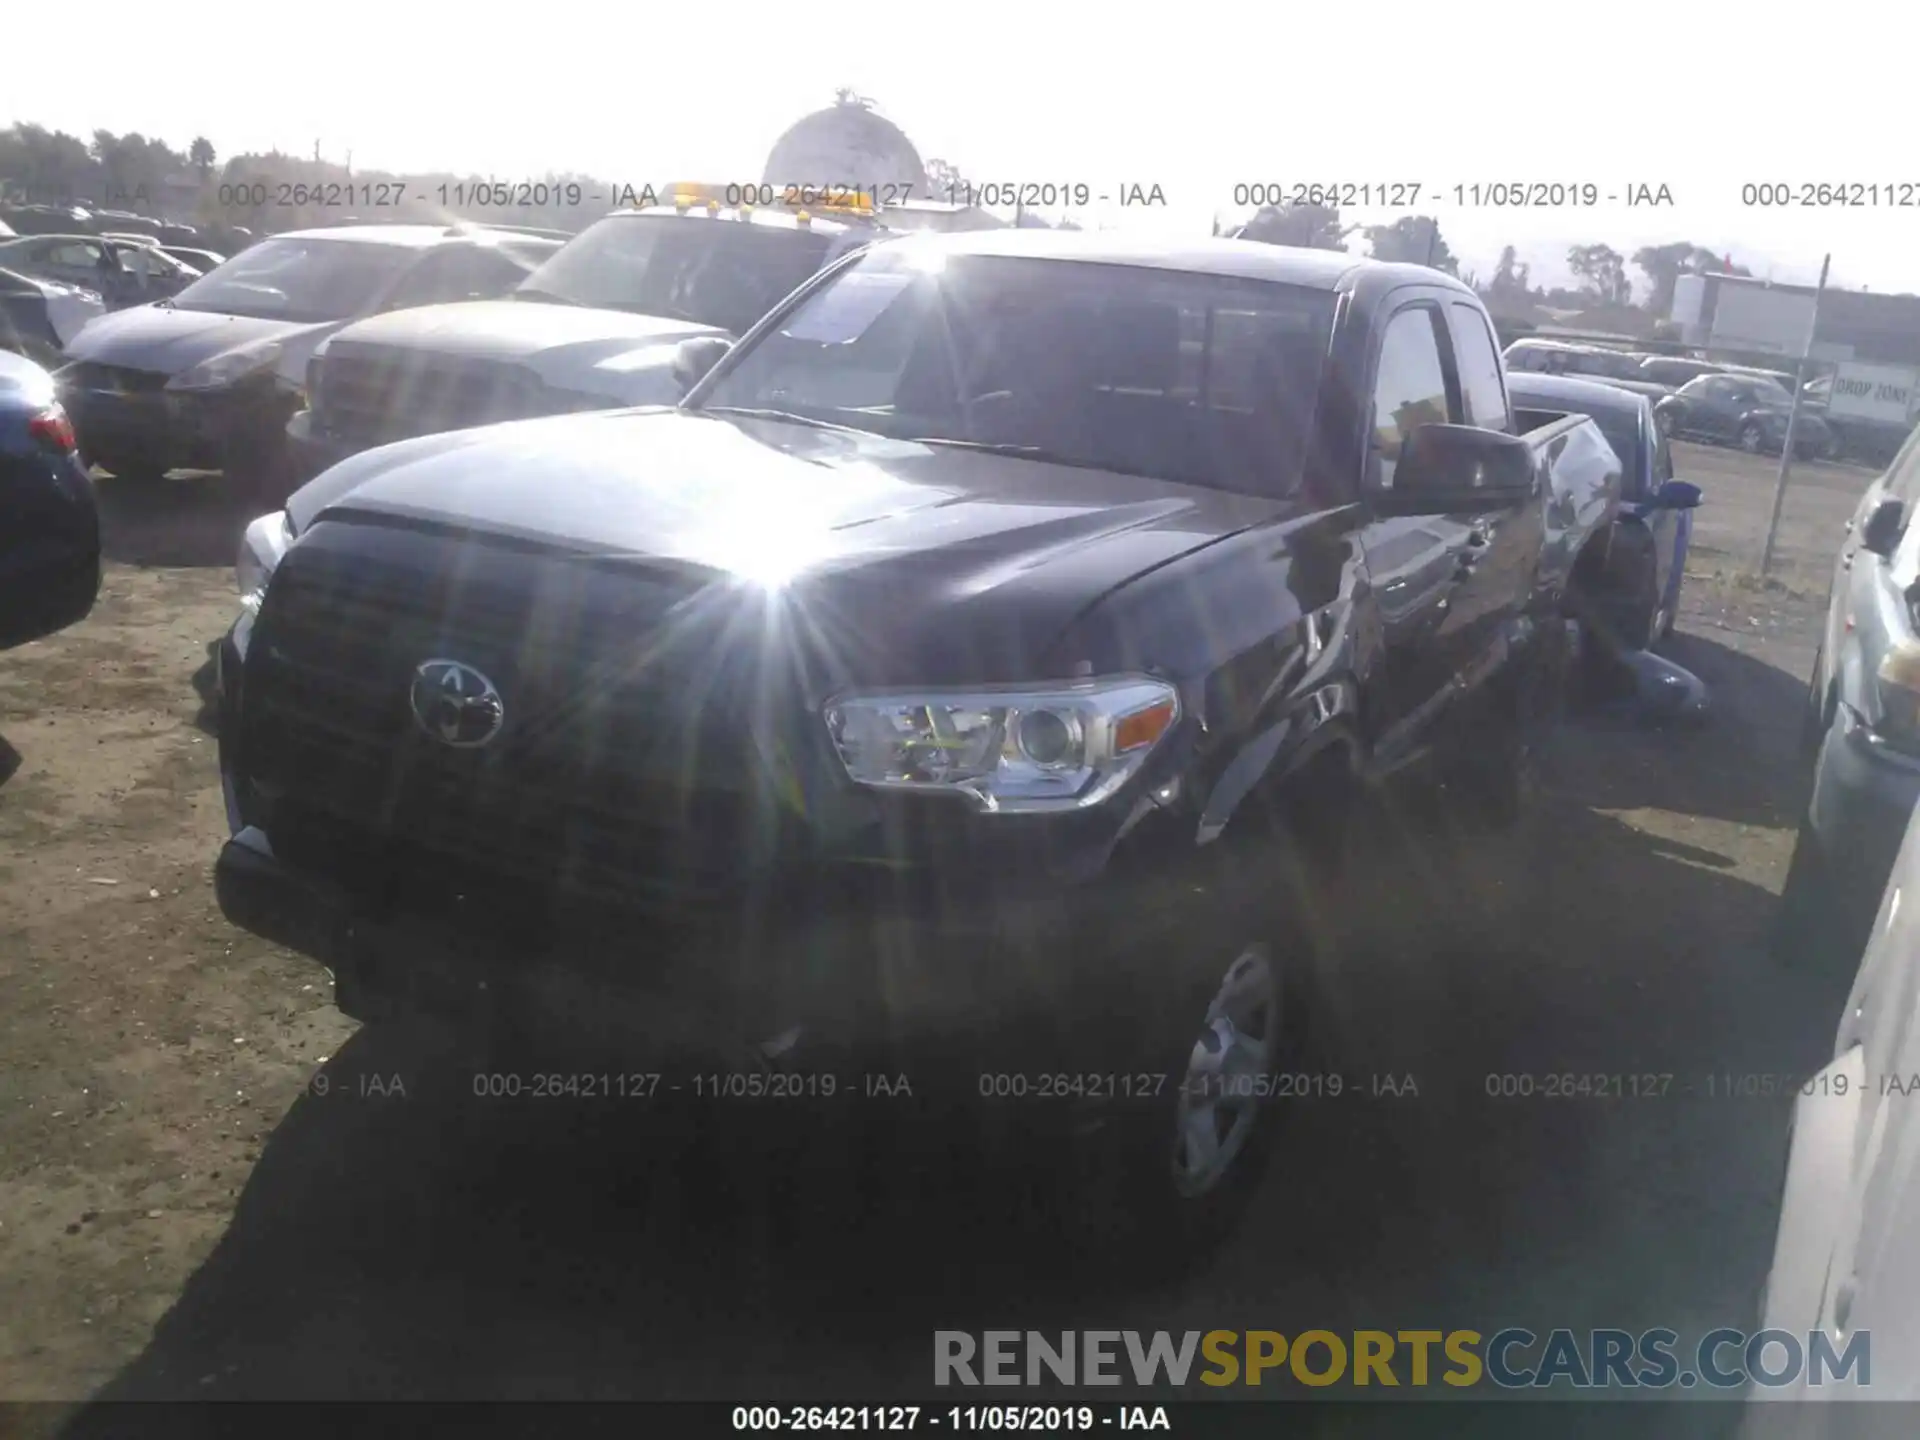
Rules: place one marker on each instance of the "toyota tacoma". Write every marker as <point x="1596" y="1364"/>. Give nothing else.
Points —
<point x="942" y="680"/>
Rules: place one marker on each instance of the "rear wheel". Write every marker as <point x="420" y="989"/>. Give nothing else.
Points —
<point x="1750" y="438"/>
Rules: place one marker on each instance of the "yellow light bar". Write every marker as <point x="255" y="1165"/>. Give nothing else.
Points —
<point x="804" y="201"/>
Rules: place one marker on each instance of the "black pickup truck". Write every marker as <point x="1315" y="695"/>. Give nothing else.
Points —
<point x="940" y="683"/>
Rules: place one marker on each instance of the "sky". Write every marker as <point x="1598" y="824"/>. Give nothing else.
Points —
<point x="1198" y="99"/>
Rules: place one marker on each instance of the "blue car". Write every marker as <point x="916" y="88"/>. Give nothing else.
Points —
<point x="49" y="527"/>
<point x="1648" y="557"/>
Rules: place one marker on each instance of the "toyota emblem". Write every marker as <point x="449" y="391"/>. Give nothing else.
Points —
<point x="456" y="704"/>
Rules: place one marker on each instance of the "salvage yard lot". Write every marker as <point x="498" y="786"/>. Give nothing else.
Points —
<point x="211" y="1185"/>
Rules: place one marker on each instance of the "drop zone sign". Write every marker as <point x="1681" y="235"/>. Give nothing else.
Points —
<point x="1883" y="393"/>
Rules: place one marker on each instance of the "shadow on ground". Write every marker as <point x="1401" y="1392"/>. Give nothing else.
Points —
<point x="191" y="522"/>
<point x="441" y="1246"/>
<point x="1741" y="765"/>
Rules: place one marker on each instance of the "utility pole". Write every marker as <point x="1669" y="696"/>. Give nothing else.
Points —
<point x="1793" y="423"/>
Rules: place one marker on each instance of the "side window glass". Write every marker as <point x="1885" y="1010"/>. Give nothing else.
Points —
<point x="1410" y="388"/>
<point x="1481" y="387"/>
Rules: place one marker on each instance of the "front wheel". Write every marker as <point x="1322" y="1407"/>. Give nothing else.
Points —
<point x="1164" y="1176"/>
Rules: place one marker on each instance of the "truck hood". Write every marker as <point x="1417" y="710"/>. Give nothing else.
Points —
<point x="905" y="563"/>
<point x="606" y="353"/>
<point x="165" y="340"/>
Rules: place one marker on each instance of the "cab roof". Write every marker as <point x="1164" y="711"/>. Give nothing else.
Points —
<point x="1238" y="259"/>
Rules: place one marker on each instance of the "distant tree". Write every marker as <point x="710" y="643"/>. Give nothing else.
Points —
<point x="1311" y="227"/>
<point x="1415" y="240"/>
<point x="1663" y="265"/>
<point x="200" y="152"/>
<point x="1602" y="273"/>
<point x="944" y="180"/>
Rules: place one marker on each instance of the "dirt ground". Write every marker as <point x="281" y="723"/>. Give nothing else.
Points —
<point x="212" y="1185"/>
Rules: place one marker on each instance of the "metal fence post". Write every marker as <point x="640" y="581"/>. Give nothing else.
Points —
<point x="1793" y="424"/>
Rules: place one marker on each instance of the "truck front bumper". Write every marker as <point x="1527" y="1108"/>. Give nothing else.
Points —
<point x="1005" y="961"/>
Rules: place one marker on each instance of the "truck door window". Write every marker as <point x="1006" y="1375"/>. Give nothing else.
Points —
<point x="1410" y="387"/>
<point x="1481" y="386"/>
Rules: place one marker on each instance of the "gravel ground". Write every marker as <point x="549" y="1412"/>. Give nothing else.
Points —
<point x="212" y="1185"/>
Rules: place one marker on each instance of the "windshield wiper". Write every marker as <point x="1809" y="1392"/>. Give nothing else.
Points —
<point x="1020" y="452"/>
<point x="752" y="412"/>
<point x="541" y="297"/>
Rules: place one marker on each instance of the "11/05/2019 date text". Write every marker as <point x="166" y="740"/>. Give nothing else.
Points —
<point x="1036" y="1419"/>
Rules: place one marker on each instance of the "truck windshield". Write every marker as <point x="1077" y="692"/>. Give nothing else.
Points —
<point x="687" y="267"/>
<point x="1204" y="379"/>
<point x="304" y="280"/>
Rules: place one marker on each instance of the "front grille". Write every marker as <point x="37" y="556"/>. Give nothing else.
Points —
<point x="607" y="775"/>
<point x="370" y="395"/>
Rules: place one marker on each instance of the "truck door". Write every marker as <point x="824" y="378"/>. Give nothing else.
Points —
<point x="1413" y="560"/>
<point x="1500" y="557"/>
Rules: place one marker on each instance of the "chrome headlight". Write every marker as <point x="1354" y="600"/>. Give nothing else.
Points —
<point x="1047" y="747"/>
<point x="261" y="547"/>
<point x="217" y="372"/>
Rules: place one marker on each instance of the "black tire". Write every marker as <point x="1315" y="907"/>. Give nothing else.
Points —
<point x="1750" y="438"/>
<point x="1663" y="419"/>
<point x="1633" y="616"/>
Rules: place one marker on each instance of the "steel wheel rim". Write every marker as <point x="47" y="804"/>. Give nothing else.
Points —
<point x="1219" y="1097"/>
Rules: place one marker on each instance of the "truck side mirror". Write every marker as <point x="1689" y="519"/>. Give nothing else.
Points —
<point x="1883" y="527"/>
<point x="696" y="358"/>
<point x="1445" y="469"/>
<point x="1678" y="495"/>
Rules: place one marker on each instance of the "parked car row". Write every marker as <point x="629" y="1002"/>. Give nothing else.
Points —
<point x="123" y="271"/>
<point x="208" y="378"/>
<point x="1698" y="399"/>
